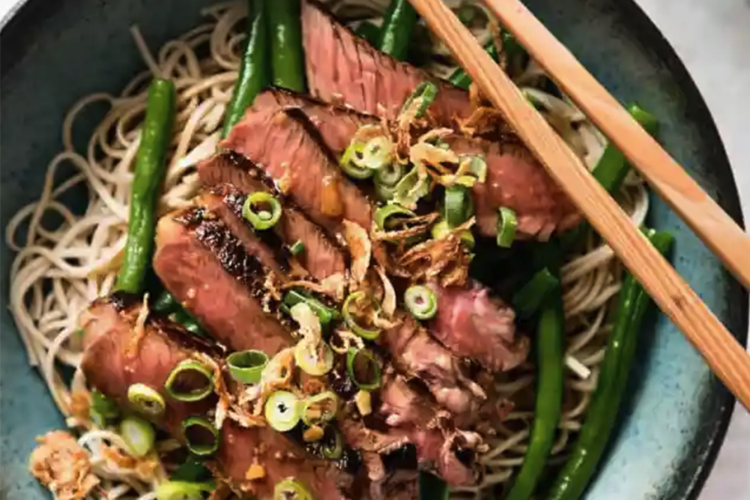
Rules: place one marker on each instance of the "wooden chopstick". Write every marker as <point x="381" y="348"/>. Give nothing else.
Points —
<point x="706" y="218"/>
<point x="723" y="353"/>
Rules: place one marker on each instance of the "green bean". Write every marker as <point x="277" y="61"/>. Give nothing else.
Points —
<point x="369" y="32"/>
<point x="549" y="349"/>
<point x="613" y="377"/>
<point x="530" y="297"/>
<point x="398" y="26"/>
<point x="287" y="56"/>
<point x="513" y="51"/>
<point x="165" y="303"/>
<point x="612" y="169"/>
<point x="254" y="72"/>
<point x="149" y="173"/>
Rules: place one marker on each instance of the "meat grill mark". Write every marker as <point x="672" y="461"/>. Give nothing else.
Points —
<point x="230" y="252"/>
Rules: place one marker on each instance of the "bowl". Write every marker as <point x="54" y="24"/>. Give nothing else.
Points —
<point x="676" y="412"/>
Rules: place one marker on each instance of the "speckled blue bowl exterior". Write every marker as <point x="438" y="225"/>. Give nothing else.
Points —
<point x="676" y="413"/>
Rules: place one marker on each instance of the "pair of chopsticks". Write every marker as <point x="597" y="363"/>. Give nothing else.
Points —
<point x="726" y="357"/>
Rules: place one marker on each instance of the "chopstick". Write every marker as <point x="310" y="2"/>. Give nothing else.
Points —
<point x="704" y="216"/>
<point x="674" y="297"/>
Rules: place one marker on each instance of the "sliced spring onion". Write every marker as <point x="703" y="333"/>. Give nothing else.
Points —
<point x="313" y="359"/>
<point x="390" y="174"/>
<point x="457" y="205"/>
<point x="297" y="248"/>
<point x="421" y="302"/>
<point x="410" y="189"/>
<point x="192" y="470"/>
<point x="262" y="210"/>
<point x="332" y="447"/>
<point x="104" y="406"/>
<point x="426" y="91"/>
<point x="247" y="366"/>
<point x="291" y="489"/>
<point x="477" y="166"/>
<point x="376" y="154"/>
<point x="363" y="400"/>
<point x="201" y="436"/>
<point x="351" y="322"/>
<point x="363" y="368"/>
<point x="138" y="434"/>
<point x="282" y="411"/>
<point x="349" y="160"/>
<point x="183" y="385"/>
<point x="441" y="230"/>
<point x="325" y="314"/>
<point x="384" y="193"/>
<point x="320" y="408"/>
<point x="530" y="297"/>
<point x="506" y="227"/>
<point x="146" y="400"/>
<point x="386" y="212"/>
<point x="182" y="490"/>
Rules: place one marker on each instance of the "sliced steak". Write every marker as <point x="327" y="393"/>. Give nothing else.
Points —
<point x="418" y="355"/>
<point x="475" y="325"/>
<point x="208" y="270"/>
<point x="109" y="333"/>
<point x="341" y="67"/>
<point x="321" y="257"/>
<point x="283" y="144"/>
<point x="336" y="124"/>
<point x="115" y="357"/>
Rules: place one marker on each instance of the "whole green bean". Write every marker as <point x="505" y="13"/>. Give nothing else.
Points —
<point x="549" y="349"/>
<point x="612" y="169"/>
<point x="149" y="173"/>
<point x="398" y="26"/>
<point x="165" y="303"/>
<point x="513" y="50"/>
<point x="613" y="377"/>
<point x="254" y="69"/>
<point x="287" y="56"/>
<point x="369" y="32"/>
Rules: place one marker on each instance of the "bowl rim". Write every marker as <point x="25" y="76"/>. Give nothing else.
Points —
<point x="16" y="38"/>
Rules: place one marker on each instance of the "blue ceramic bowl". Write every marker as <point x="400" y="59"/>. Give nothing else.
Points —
<point x="674" y="419"/>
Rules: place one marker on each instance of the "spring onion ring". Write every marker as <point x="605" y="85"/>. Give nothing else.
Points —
<point x="183" y="490"/>
<point x="313" y="359"/>
<point x="320" y="408"/>
<point x="351" y="322"/>
<point x="349" y="159"/>
<point x="332" y="447"/>
<point x="386" y="212"/>
<point x="376" y="154"/>
<point x="421" y="302"/>
<point x="506" y="227"/>
<point x="355" y="357"/>
<point x="262" y="210"/>
<point x="389" y="175"/>
<point x="297" y="248"/>
<point x="198" y="446"/>
<point x="172" y="385"/>
<point x="325" y="314"/>
<point x="146" y="400"/>
<point x="138" y="434"/>
<point x="291" y="489"/>
<point x="457" y="205"/>
<point x="247" y="366"/>
<point x="103" y="406"/>
<point x="282" y="411"/>
<point x="426" y="91"/>
<point x="442" y="230"/>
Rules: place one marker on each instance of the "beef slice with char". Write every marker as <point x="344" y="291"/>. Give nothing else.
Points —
<point x="208" y="270"/>
<point x="108" y="336"/>
<point x="342" y="67"/>
<point x="116" y="358"/>
<point x="284" y="146"/>
<point x="475" y="325"/>
<point x="233" y="177"/>
<point x="374" y="83"/>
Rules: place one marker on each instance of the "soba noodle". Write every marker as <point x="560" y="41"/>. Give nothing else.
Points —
<point x="59" y="270"/>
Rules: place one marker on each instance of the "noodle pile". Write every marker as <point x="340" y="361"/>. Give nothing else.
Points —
<point x="59" y="270"/>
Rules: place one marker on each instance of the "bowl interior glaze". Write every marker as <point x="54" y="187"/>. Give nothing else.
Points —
<point x="676" y="412"/>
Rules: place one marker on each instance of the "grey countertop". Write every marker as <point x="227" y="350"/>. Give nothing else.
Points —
<point x="712" y="38"/>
